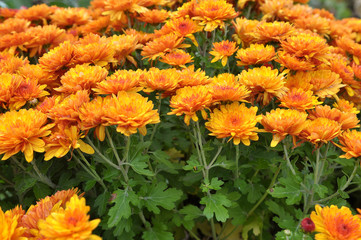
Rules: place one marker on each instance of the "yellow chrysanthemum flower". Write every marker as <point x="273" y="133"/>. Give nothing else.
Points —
<point x="71" y="223"/>
<point x="9" y="227"/>
<point x="223" y="50"/>
<point x="22" y="131"/>
<point x="255" y="54"/>
<point x="350" y="143"/>
<point x="299" y="99"/>
<point x="333" y="223"/>
<point x="235" y="121"/>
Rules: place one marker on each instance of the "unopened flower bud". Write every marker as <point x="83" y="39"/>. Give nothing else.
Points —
<point x="308" y="225"/>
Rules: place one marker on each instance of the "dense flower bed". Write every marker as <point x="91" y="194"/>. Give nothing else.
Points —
<point x="205" y="119"/>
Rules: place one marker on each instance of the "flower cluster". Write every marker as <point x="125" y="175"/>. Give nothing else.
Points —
<point x="63" y="215"/>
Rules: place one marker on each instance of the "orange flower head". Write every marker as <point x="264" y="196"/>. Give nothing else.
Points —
<point x="315" y="23"/>
<point x="347" y="120"/>
<point x="8" y="84"/>
<point x="235" y="121"/>
<point x="308" y="46"/>
<point x="320" y="130"/>
<point x="336" y="223"/>
<point x="91" y="116"/>
<point x="48" y="103"/>
<point x="346" y="106"/>
<point x="62" y="140"/>
<point x="36" y="12"/>
<point x="223" y="50"/>
<point x="67" y="17"/>
<point x="10" y="63"/>
<point x="342" y="68"/>
<point x="177" y="58"/>
<point x="189" y="77"/>
<point x="264" y="82"/>
<point x="26" y="90"/>
<point x="57" y="58"/>
<point x="255" y="54"/>
<point x="160" y="80"/>
<point x="190" y="100"/>
<point x="66" y="112"/>
<point x="154" y="16"/>
<point x="81" y="77"/>
<point x="13" y="25"/>
<point x="244" y="30"/>
<point x="272" y="31"/>
<point x="283" y="122"/>
<point x="183" y="27"/>
<point x="64" y="196"/>
<point x="141" y="37"/>
<point x="357" y="70"/>
<point x="272" y="9"/>
<point x="94" y="49"/>
<point x="187" y="9"/>
<point x="162" y="45"/>
<point x="350" y="143"/>
<point x="325" y="83"/>
<point x="14" y="42"/>
<point x="116" y="8"/>
<point x="37" y="73"/>
<point x="299" y="99"/>
<point x="213" y="13"/>
<point x="124" y="46"/>
<point x="293" y="63"/>
<point x="96" y="26"/>
<point x="225" y="87"/>
<point x="23" y="131"/>
<point x="9" y="227"/>
<point x="130" y="112"/>
<point x="121" y="80"/>
<point x="71" y="223"/>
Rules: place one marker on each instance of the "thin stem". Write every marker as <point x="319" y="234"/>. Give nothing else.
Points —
<point x="20" y="164"/>
<point x="110" y="140"/>
<point x="144" y="221"/>
<point x="193" y="235"/>
<point x="42" y="177"/>
<point x="200" y="143"/>
<point x="237" y="160"/>
<point x="216" y="155"/>
<point x="289" y="164"/>
<point x="198" y="151"/>
<point x="7" y="181"/>
<point x="101" y="155"/>
<point x="317" y="167"/>
<point x="214" y="235"/>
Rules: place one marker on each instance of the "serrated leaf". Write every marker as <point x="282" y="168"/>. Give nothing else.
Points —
<point x="321" y="190"/>
<point x="290" y="189"/>
<point x="215" y="205"/>
<point x="139" y="165"/>
<point x="284" y="219"/>
<point x="23" y="183"/>
<point x="191" y="212"/>
<point x="224" y="163"/>
<point x="122" y="208"/>
<point x="101" y="202"/>
<point x="193" y="164"/>
<point x="158" y="195"/>
<point x="157" y="234"/>
<point x="41" y="190"/>
<point x="162" y="157"/>
<point x="89" y="185"/>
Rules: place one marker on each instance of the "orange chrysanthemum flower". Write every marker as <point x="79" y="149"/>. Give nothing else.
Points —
<point x="81" y="77"/>
<point x="95" y="50"/>
<point x="8" y="84"/>
<point x="186" y="9"/>
<point x="293" y="63"/>
<point x="347" y="120"/>
<point x="274" y="8"/>
<point x="225" y="87"/>
<point x="223" y="50"/>
<point x="142" y="37"/>
<point x="64" y="139"/>
<point x="350" y="143"/>
<point x="71" y="223"/>
<point x="10" y="63"/>
<point x="40" y="12"/>
<point x="283" y="122"/>
<point x="334" y="223"/>
<point x="189" y="77"/>
<point x="124" y="45"/>
<point x="121" y="80"/>
<point x="264" y="83"/>
<point x="299" y="99"/>
<point x="162" y="45"/>
<point x="320" y="130"/>
<point x="315" y="23"/>
<point x="235" y="121"/>
<point x="160" y="80"/>
<point x="190" y="100"/>
<point x="308" y="46"/>
<point x="272" y="31"/>
<point x="64" y="196"/>
<point x="66" y="112"/>
<point x="99" y="26"/>
<point x="115" y="8"/>
<point x="244" y="30"/>
<point x="130" y="112"/>
<point x="68" y="17"/>
<point x="346" y="106"/>
<point x="22" y="131"/>
<point x="37" y="73"/>
<point x="154" y="16"/>
<point x="58" y="58"/>
<point x="255" y="54"/>
<point x="213" y="13"/>
<point x="13" y="25"/>
<point x="9" y="227"/>
<point x="177" y="58"/>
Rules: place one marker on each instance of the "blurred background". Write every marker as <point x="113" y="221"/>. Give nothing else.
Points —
<point x="341" y="8"/>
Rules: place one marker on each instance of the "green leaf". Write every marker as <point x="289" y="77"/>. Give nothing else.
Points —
<point x="284" y="219"/>
<point x="89" y="185"/>
<point x="290" y="190"/>
<point x="157" y="195"/>
<point x="41" y="190"/>
<point x="157" y="233"/>
<point x="122" y="208"/>
<point x="162" y="157"/>
<point x="214" y="185"/>
<point x="321" y="190"/>
<point x="224" y="163"/>
<point x="139" y="165"/>
<point x="215" y="205"/>
<point x="191" y="212"/>
<point x="193" y="164"/>
<point x="101" y="202"/>
<point x="23" y="183"/>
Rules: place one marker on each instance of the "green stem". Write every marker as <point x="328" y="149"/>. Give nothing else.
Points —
<point x="193" y="235"/>
<point x="214" y="235"/>
<point x="126" y="153"/>
<point x="289" y="164"/>
<point x="198" y="150"/>
<point x="42" y="177"/>
<point x="236" y="173"/>
<point x="200" y="143"/>
<point x="317" y="167"/>
<point x="144" y="221"/>
<point x="110" y="140"/>
<point x="7" y="181"/>
<point x="217" y="154"/>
